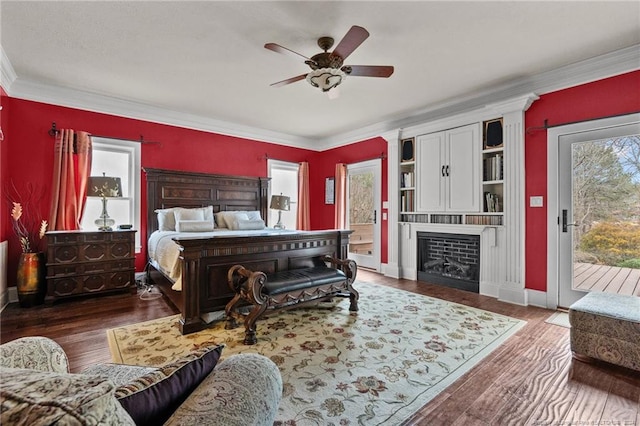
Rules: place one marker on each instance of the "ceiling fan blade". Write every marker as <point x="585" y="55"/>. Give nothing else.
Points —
<point x="354" y="38"/>
<point x="280" y="49"/>
<point x="289" y="80"/>
<point x="368" y="70"/>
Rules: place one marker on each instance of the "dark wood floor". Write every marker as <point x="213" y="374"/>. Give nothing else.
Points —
<point x="529" y="380"/>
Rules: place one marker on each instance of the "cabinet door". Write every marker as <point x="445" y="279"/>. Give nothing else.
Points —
<point x="463" y="169"/>
<point x="429" y="169"/>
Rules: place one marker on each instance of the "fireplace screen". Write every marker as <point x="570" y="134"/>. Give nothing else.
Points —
<point x="452" y="260"/>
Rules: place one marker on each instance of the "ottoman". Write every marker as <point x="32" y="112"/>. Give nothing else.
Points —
<point x="606" y="326"/>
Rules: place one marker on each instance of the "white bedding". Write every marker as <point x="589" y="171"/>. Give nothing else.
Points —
<point x="164" y="253"/>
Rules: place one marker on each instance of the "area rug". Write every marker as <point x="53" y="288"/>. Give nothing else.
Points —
<point x="559" y="318"/>
<point x="372" y="367"/>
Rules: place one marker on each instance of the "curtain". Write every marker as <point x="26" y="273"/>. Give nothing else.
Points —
<point x="341" y="195"/>
<point x="303" y="221"/>
<point x="71" y="169"/>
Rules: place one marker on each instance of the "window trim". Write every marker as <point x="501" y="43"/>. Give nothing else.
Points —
<point x="134" y="152"/>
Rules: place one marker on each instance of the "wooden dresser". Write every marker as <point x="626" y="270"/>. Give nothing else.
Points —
<point x="89" y="262"/>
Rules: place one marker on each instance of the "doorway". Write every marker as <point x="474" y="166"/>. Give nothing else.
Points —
<point x="596" y="205"/>
<point x="363" y="212"/>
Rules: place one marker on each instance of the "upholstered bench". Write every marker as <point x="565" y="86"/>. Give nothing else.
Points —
<point x="287" y="288"/>
<point x="606" y="326"/>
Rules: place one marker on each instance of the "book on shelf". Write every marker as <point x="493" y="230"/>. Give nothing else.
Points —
<point x="406" y="180"/>
<point x="493" y="168"/>
<point x="492" y="203"/>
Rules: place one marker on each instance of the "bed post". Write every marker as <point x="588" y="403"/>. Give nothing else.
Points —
<point x="264" y="195"/>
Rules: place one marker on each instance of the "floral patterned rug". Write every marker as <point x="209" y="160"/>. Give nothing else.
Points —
<point x="376" y="366"/>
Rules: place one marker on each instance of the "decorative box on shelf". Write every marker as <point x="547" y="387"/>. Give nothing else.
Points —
<point x="89" y="262"/>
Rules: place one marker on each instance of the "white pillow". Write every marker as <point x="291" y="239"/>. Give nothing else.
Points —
<point x="225" y="219"/>
<point x="194" y="226"/>
<point x="166" y="219"/>
<point x="221" y="218"/>
<point x="246" y="224"/>
<point x="189" y="214"/>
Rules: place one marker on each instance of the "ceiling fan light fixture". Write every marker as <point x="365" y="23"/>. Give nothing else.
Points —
<point x="326" y="78"/>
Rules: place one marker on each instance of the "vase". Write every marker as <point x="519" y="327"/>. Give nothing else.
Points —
<point x="31" y="284"/>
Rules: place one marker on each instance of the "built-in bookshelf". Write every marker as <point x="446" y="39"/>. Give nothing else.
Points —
<point x="486" y="219"/>
<point x="490" y="212"/>
<point x="407" y="175"/>
<point x="492" y="171"/>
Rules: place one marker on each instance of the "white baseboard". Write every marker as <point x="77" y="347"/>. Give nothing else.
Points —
<point x="537" y="298"/>
<point x="516" y="296"/>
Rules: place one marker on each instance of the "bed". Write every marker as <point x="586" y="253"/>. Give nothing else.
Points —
<point x="205" y="257"/>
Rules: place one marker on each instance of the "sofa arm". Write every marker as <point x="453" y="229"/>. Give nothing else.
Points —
<point x="118" y="374"/>
<point x="34" y="353"/>
<point x="243" y="389"/>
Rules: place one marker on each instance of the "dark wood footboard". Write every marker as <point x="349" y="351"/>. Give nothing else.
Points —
<point x="206" y="262"/>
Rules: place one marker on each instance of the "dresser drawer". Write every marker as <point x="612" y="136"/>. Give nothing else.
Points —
<point x="93" y="262"/>
<point x="63" y="287"/>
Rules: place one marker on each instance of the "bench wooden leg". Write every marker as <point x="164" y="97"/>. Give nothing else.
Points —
<point x="231" y="313"/>
<point x="353" y="299"/>
<point x="250" y="324"/>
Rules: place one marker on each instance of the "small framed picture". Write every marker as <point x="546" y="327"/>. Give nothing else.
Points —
<point x="329" y="190"/>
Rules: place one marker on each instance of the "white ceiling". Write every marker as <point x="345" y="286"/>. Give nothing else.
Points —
<point x="205" y="60"/>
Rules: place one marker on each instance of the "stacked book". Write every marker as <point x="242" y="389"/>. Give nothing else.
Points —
<point x="493" y="168"/>
<point x="406" y="180"/>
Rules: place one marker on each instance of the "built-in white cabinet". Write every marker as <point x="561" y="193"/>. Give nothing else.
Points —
<point x="448" y="170"/>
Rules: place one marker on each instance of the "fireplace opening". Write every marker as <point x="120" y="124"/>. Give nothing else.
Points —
<point x="452" y="260"/>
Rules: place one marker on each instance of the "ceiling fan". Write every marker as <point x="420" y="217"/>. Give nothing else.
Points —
<point x="327" y="68"/>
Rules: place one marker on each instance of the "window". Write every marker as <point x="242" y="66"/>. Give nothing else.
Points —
<point x="121" y="159"/>
<point x="284" y="180"/>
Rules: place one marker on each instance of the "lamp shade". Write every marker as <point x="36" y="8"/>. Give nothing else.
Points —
<point x="104" y="186"/>
<point x="326" y="78"/>
<point x="279" y="202"/>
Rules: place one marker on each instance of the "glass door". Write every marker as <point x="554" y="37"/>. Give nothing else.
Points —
<point x="363" y="201"/>
<point x="599" y="213"/>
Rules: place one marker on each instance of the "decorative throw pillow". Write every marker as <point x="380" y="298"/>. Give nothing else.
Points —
<point x="221" y="218"/>
<point x="246" y="224"/>
<point x="194" y="226"/>
<point x="225" y="219"/>
<point x="152" y="398"/>
<point x="36" y="398"/>
<point x="189" y="214"/>
<point x="166" y="219"/>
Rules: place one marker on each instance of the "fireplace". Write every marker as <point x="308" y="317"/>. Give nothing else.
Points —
<point x="452" y="260"/>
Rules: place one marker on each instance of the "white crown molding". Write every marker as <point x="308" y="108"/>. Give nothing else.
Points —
<point x="7" y="73"/>
<point x="597" y="68"/>
<point x="33" y="91"/>
<point x="603" y="66"/>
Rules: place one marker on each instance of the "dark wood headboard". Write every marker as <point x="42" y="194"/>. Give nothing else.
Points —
<point x="171" y="188"/>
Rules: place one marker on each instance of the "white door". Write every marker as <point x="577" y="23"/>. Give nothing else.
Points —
<point x="462" y="169"/>
<point x="363" y="212"/>
<point x="430" y="172"/>
<point x="598" y="197"/>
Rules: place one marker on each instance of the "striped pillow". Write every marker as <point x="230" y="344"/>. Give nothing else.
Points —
<point x="152" y="398"/>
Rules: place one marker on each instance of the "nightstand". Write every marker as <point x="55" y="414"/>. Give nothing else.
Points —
<point x="89" y="262"/>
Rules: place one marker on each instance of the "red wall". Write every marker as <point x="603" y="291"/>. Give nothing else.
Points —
<point x="30" y="149"/>
<point x="4" y="124"/>
<point x="324" y="165"/>
<point x="613" y="96"/>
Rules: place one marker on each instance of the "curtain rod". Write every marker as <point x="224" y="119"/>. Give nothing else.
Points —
<point x="54" y="131"/>
<point x="382" y="156"/>
<point x="266" y="157"/>
<point x="546" y="124"/>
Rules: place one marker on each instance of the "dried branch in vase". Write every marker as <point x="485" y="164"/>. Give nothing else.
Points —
<point x="27" y="226"/>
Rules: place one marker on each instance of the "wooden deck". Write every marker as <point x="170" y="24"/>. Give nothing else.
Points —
<point x="607" y="279"/>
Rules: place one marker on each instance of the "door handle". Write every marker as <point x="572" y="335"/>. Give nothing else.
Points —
<point x="375" y="216"/>
<point x="443" y="171"/>
<point x="565" y="225"/>
<point x="447" y="170"/>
